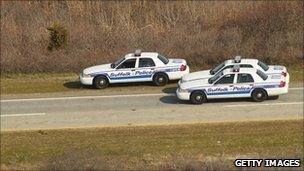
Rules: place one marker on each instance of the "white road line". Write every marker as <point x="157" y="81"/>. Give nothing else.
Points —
<point x="85" y="97"/>
<point x="22" y="114"/>
<point x="266" y="104"/>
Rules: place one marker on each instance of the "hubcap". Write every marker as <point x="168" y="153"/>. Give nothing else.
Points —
<point x="160" y="79"/>
<point x="198" y="98"/>
<point x="259" y="95"/>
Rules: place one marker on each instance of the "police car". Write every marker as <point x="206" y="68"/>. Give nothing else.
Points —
<point x="234" y="83"/>
<point x="243" y="63"/>
<point x="135" y="67"/>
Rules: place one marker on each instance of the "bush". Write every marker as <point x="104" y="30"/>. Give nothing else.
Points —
<point x="58" y="37"/>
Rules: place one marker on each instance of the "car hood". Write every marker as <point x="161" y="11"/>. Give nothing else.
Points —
<point x="196" y="75"/>
<point x="97" y="68"/>
<point x="194" y="83"/>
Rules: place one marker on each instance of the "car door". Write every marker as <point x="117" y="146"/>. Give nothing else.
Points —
<point x="222" y="88"/>
<point x="145" y="69"/>
<point x="125" y="72"/>
<point x="244" y="84"/>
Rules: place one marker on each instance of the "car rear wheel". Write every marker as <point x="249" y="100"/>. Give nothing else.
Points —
<point x="100" y="82"/>
<point x="198" y="97"/>
<point x="259" y="95"/>
<point x="160" y="79"/>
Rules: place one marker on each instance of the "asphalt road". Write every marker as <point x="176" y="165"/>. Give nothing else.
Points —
<point x="140" y="109"/>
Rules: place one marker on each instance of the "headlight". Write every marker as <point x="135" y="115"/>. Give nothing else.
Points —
<point x="85" y="75"/>
<point x="182" y="90"/>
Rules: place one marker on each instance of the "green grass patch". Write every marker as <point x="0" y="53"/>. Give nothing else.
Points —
<point x="272" y="139"/>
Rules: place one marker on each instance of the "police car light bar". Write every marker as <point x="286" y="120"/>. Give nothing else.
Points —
<point x="236" y="68"/>
<point x="237" y="59"/>
<point x="137" y="52"/>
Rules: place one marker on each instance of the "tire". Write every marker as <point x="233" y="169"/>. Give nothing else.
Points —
<point x="100" y="82"/>
<point x="273" y="97"/>
<point x="259" y="95"/>
<point x="160" y="79"/>
<point x="198" y="97"/>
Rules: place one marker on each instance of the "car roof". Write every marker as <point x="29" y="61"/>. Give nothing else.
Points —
<point x="241" y="70"/>
<point x="243" y="61"/>
<point x="142" y="54"/>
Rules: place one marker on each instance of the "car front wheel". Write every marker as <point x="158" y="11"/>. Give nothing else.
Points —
<point x="198" y="97"/>
<point x="100" y="82"/>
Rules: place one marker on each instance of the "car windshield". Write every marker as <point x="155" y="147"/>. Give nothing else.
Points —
<point x="216" y="69"/>
<point x="114" y="64"/>
<point x="163" y="58"/>
<point x="264" y="66"/>
<point x="262" y="74"/>
<point x="214" y="78"/>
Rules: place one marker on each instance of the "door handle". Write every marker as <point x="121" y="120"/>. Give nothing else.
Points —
<point x="152" y="68"/>
<point x="132" y="69"/>
<point x="230" y="85"/>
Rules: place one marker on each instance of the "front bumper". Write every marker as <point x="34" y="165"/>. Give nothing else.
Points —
<point x="86" y="80"/>
<point x="182" y="95"/>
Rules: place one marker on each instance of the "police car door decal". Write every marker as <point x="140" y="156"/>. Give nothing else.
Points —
<point x="244" y="84"/>
<point x="124" y="71"/>
<point x="223" y="87"/>
<point x="145" y="69"/>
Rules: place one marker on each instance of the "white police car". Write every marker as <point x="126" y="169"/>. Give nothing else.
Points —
<point x="234" y="83"/>
<point x="135" y="67"/>
<point x="243" y="63"/>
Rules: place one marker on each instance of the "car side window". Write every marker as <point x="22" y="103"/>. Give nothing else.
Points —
<point x="246" y="66"/>
<point x="130" y="63"/>
<point x="227" y="79"/>
<point x="146" y="62"/>
<point x="244" y="78"/>
<point x="226" y="67"/>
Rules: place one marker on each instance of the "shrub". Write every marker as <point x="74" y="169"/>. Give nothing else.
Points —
<point x="58" y="37"/>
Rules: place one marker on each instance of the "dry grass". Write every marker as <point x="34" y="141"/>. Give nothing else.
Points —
<point x="203" y="32"/>
<point x="210" y="146"/>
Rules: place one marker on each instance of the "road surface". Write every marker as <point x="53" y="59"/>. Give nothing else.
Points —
<point x="140" y="109"/>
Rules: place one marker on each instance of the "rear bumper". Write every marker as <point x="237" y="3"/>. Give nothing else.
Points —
<point x="178" y="75"/>
<point x="278" y="91"/>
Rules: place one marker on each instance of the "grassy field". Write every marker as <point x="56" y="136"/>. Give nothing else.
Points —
<point x="212" y="145"/>
<point x="67" y="82"/>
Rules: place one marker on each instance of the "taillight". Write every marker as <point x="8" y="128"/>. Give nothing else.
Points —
<point x="284" y="74"/>
<point x="282" y="84"/>
<point x="183" y="67"/>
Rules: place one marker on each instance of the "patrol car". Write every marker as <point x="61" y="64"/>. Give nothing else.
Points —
<point x="135" y="67"/>
<point x="234" y="83"/>
<point x="243" y="63"/>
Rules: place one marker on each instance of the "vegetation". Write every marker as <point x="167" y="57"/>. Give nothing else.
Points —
<point x="208" y="146"/>
<point x="58" y="37"/>
<point x="203" y="32"/>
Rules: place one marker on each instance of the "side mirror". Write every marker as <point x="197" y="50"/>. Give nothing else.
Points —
<point x="112" y="65"/>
